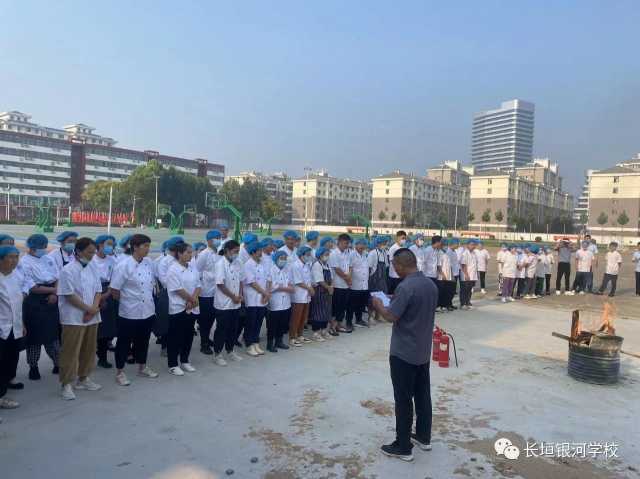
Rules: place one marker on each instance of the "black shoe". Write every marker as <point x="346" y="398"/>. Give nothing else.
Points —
<point x="15" y="386"/>
<point x="362" y="324"/>
<point x="333" y="332"/>
<point x="272" y="349"/>
<point x="599" y="293"/>
<point x="281" y="345"/>
<point x="206" y="350"/>
<point x="55" y="370"/>
<point x="103" y="363"/>
<point x="34" y="373"/>
<point x="394" y="450"/>
<point x="450" y="308"/>
<point x="131" y="359"/>
<point x="611" y="295"/>
<point x="238" y="344"/>
<point x="421" y="443"/>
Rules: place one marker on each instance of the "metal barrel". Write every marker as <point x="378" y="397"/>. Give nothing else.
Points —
<point x="592" y="365"/>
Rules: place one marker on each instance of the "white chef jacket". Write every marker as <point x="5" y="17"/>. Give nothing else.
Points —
<point x="375" y="256"/>
<point x="509" y="265"/>
<point x="469" y="259"/>
<point x="206" y="264"/>
<point x="280" y="278"/>
<point x="103" y="266"/>
<point x="342" y="260"/>
<point x="229" y="274"/>
<point x="84" y="282"/>
<point x="359" y="271"/>
<point x="454" y="262"/>
<point x="11" y="304"/>
<point x="483" y="258"/>
<point x="163" y="266"/>
<point x="430" y="268"/>
<point x="301" y="273"/>
<point x="613" y="262"/>
<point x="254" y="273"/>
<point x="181" y="277"/>
<point x="60" y="258"/>
<point x="585" y="260"/>
<point x="37" y="271"/>
<point x="418" y="252"/>
<point x="532" y="265"/>
<point x="548" y="265"/>
<point x="392" y="250"/>
<point x="444" y="262"/>
<point x="135" y="281"/>
<point x="291" y="254"/>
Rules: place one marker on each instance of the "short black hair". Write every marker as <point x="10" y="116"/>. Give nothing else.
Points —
<point x="401" y="233"/>
<point x="436" y="239"/>
<point x="180" y="248"/>
<point x="174" y="246"/>
<point x="83" y="243"/>
<point x="405" y="257"/>
<point x="344" y="237"/>
<point x="228" y="246"/>
<point x="137" y="240"/>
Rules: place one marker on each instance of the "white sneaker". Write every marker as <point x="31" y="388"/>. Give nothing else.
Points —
<point x="234" y="356"/>
<point x="527" y="296"/>
<point x="569" y="293"/>
<point x="504" y="300"/>
<point x="294" y="342"/>
<point x="325" y="334"/>
<point x="251" y="351"/>
<point x="258" y="349"/>
<point x="558" y="293"/>
<point x="176" y="371"/>
<point x="582" y="292"/>
<point x="470" y="308"/>
<point x="511" y="298"/>
<point x="122" y="380"/>
<point x="147" y="372"/>
<point x="304" y="339"/>
<point x="188" y="368"/>
<point x="67" y="393"/>
<point x="318" y="337"/>
<point x="483" y="291"/>
<point x="87" y="385"/>
<point x="219" y="360"/>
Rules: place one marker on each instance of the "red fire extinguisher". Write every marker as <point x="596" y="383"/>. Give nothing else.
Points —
<point x="440" y="348"/>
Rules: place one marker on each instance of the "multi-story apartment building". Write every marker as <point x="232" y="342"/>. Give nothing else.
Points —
<point x="614" y="199"/>
<point x="581" y="209"/>
<point x="278" y="185"/>
<point x="405" y="200"/>
<point x="503" y="138"/>
<point x="54" y="165"/>
<point x="529" y="194"/>
<point x="451" y="173"/>
<point x="320" y="199"/>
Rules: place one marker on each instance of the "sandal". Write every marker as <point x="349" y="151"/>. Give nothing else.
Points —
<point x="6" y="403"/>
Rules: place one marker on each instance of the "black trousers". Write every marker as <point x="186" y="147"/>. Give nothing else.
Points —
<point x="102" y="348"/>
<point x="448" y="292"/>
<point x="605" y="282"/>
<point x="9" y="355"/>
<point x="226" y="329"/>
<point x="531" y="286"/>
<point x="411" y="386"/>
<point x="136" y="331"/>
<point x="253" y="325"/>
<point x="241" y="322"/>
<point x="278" y="324"/>
<point x="547" y="281"/>
<point x="638" y="283"/>
<point x="539" y="286"/>
<point x="465" y="292"/>
<point x="340" y="303"/>
<point x="441" y="292"/>
<point x="564" y="269"/>
<point x="205" y="320"/>
<point x="358" y="300"/>
<point x="581" y="281"/>
<point x="180" y="337"/>
<point x="483" y="277"/>
<point x="521" y="287"/>
<point x="393" y="284"/>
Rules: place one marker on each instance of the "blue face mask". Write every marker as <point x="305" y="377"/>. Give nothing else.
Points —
<point x="307" y="259"/>
<point x="69" y="247"/>
<point x="107" y="250"/>
<point x="281" y="263"/>
<point x="215" y="243"/>
<point x="40" y="253"/>
<point x="83" y="261"/>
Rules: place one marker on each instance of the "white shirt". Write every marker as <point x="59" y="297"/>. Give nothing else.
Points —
<point x="469" y="259"/>
<point x="430" y="265"/>
<point x="37" y="271"/>
<point x="483" y="258"/>
<point x="135" y="281"/>
<point x="584" y="257"/>
<point x="636" y="259"/>
<point x="104" y="267"/>
<point x="11" y="304"/>
<point x="254" y="273"/>
<point x="162" y="268"/>
<point x="84" y="282"/>
<point x="459" y="251"/>
<point x="374" y="257"/>
<point x="444" y="262"/>
<point x="613" y="262"/>
<point x="243" y="254"/>
<point x="454" y="261"/>
<point x="280" y="278"/>
<point x="181" y="277"/>
<point x="542" y="265"/>
<point x="301" y="273"/>
<point x="418" y="252"/>
<point x="532" y="265"/>
<point x="500" y="259"/>
<point x="291" y="254"/>
<point x="392" y="250"/>
<point x="548" y="265"/>
<point x="523" y="262"/>
<point x="317" y="272"/>
<point x="206" y="264"/>
<point x="229" y="274"/>
<point x="266" y="261"/>
<point x="342" y="260"/>
<point x="509" y="265"/>
<point x="359" y="271"/>
<point x="57" y="256"/>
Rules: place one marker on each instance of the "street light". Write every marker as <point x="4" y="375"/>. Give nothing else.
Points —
<point x="8" y="200"/>
<point x="156" y="177"/>
<point x="306" y="197"/>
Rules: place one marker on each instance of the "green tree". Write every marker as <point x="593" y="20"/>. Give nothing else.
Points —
<point x="271" y="208"/>
<point x="486" y="216"/>
<point x="393" y="216"/>
<point x="382" y="216"/>
<point x="499" y="216"/>
<point x="471" y="217"/>
<point x="623" y="218"/>
<point x="602" y="219"/>
<point x="583" y="218"/>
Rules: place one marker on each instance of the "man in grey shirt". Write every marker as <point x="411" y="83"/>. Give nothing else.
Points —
<point x="411" y="311"/>
<point x="564" y="250"/>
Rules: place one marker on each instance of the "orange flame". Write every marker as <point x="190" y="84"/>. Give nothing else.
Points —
<point x="606" y="320"/>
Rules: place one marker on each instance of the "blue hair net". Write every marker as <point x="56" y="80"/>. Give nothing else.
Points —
<point x="454" y="241"/>
<point x="8" y="249"/>
<point x="302" y="250"/>
<point x="223" y="226"/>
<point x="174" y="240"/>
<point x="321" y="251"/>
<point x="265" y="242"/>
<point x="4" y="237"/>
<point x="37" y="241"/>
<point x="213" y="234"/>
<point x="125" y="240"/>
<point x="312" y="235"/>
<point x="252" y="247"/>
<point x="361" y="241"/>
<point x="325" y="240"/>
<point x="102" y="238"/>
<point x="249" y="237"/>
<point x="199" y="245"/>
<point x="290" y="234"/>
<point x="277" y="254"/>
<point x="278" y="243"/>
<point x="66" y="234"/>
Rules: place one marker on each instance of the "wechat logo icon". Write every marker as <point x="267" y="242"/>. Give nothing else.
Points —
<point x="504" y="447"/>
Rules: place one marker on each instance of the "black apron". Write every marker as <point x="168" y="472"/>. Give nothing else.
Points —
<point x="320" y="309"/>
<point x="378" y="280"/>
<point x="161" y="322"/>
<point x="41" y="319"/>
<point x="107" y="328"/>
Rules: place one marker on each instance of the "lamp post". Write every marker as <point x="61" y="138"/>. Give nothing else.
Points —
<point x="306" y="197"/>
<point x="156" y="177"/>
<point x="8" y="201"/>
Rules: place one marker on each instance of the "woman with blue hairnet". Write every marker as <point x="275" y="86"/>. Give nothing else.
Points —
<point x="301" y="276"/>
<point x="104" y="262"/>
<point x="313" y="238"/>
<point x="65" y="253"/>
<point x="378" y="262"/>
<point x="291" y="238"/>
<point x="320" y="308"/>
<point x="359" y="287"/>
<point x="121" y="249"/>
<point x="161" y="321"/>
<point x="257" y="293"/>
<point x="532" y="266"/>
<point x="11" y="325"/>
<point x="206" y="265"/>
<point x="41" y="316"/>
<point x="6" y="240"/>
<point x="279" y="308"/>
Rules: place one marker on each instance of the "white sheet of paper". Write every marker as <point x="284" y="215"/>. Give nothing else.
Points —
<point x="382" y="297"/>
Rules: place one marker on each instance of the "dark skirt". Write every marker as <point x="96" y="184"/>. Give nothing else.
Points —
<point x="108" y="315"/>
<point x="161" y="323"/>
<point x="320" y="308"/>
<point x="41" y="319"/>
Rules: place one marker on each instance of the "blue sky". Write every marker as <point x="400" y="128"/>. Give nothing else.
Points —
<point x="356" y="87"/>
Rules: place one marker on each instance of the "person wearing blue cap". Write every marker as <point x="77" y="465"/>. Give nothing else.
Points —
<point x="279" y="308"/>
<point x="509" y="272"/>
<point x="469" y="274"/>
<point x="359" y="287"/>
<point x="122" y="250"/>
<point x="327" y="243"/>
<point x="183" y="287"/>
<point x="11" y="325"/>
<point x="301" y="277"/>
<point x="278" y="243"/>
<point x="247" y="238"/>
<point x="418" y="250"/>
<point x="400" y="242"/>
<point x="531" y="266"/>
<point x="313" y="239"/>
<point x="206" y="265"/>
<point x="267" y="247"/>
<point x="540" y="270"/>
<point x="65" y="253"/>
<point x="198" y="247"/>
<point x="452" y="252"/>
<point x="132" y="284"/>
<point x="6" y="240"/>
<point x="224" y="234"/>
<point x="41" y="316"/>
<point x="228" y="299"/>
<point x="257" y="293"/>
<point x="340" y="264"/>
<point x="161" y="320"/>
<point x="445" y="279"/>
<point x="378" y="267"/>
<point x="289" y="247"/>
<point x="320" y="308"/>
<point x="104" y="262"/>
<point x="483" y="256"/>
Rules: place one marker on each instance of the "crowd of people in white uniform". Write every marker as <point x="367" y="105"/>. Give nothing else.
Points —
<point x="84" y="295"/>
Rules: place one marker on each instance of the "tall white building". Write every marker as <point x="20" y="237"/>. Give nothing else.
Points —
<point x="503" y="138"/>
